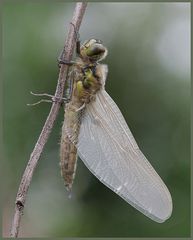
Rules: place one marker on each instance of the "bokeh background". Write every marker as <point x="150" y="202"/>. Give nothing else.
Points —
<point x="149" y="79"/>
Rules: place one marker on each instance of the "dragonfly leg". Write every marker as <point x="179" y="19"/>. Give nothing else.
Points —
<point x="80" y="108"/>
<point x="41" y="94"/>
<point x="53" y="99"/>
<point x="36" y="103"/>
<point x="77" y="39"/>
<point x="61" y="61"/>
<point x="78" y="47"/>
<point x="60" y="58"/>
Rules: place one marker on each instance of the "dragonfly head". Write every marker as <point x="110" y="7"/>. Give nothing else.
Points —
<point x="94" y="50"/>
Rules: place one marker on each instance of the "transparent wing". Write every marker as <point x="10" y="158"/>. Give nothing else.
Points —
<point x="108" y="149"/>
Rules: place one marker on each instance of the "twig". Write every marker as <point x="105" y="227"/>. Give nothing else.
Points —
<point x="35" y="155"/>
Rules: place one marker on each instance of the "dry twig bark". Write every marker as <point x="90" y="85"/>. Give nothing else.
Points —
<point x="35" y="155"/>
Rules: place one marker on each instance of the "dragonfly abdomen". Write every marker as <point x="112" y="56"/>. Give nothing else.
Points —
<point x="69" y="138"/>
<point x="68" y="159"/>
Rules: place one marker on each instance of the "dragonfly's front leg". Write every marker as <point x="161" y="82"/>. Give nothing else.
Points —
<point x="70" y="63"/>
<point x="77" y="40"/>
<point x="62" y="61"/>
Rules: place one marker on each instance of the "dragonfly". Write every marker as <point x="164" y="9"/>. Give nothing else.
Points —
<point x="95" y="130"/>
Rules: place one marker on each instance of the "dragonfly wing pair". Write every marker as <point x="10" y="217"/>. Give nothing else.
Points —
<point x="109" y="150"/>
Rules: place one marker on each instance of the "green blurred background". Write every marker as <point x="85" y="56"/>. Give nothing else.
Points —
<point x="149" y="79"/>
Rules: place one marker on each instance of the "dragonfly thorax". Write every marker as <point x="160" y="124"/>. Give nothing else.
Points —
<point x="88" y="83"/>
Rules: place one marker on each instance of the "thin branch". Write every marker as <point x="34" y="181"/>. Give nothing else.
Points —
<point x="35" y="155"/>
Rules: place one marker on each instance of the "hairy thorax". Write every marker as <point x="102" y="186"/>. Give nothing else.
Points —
<point x="86" y="82"/>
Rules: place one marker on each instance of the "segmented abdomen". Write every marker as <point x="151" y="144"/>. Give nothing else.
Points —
<point x="69" y="138"/>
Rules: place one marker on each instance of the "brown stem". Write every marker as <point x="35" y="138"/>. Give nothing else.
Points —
<point x="35" y="155"/>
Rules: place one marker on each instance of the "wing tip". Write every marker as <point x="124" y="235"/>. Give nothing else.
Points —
<point x="165" y="214"/>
